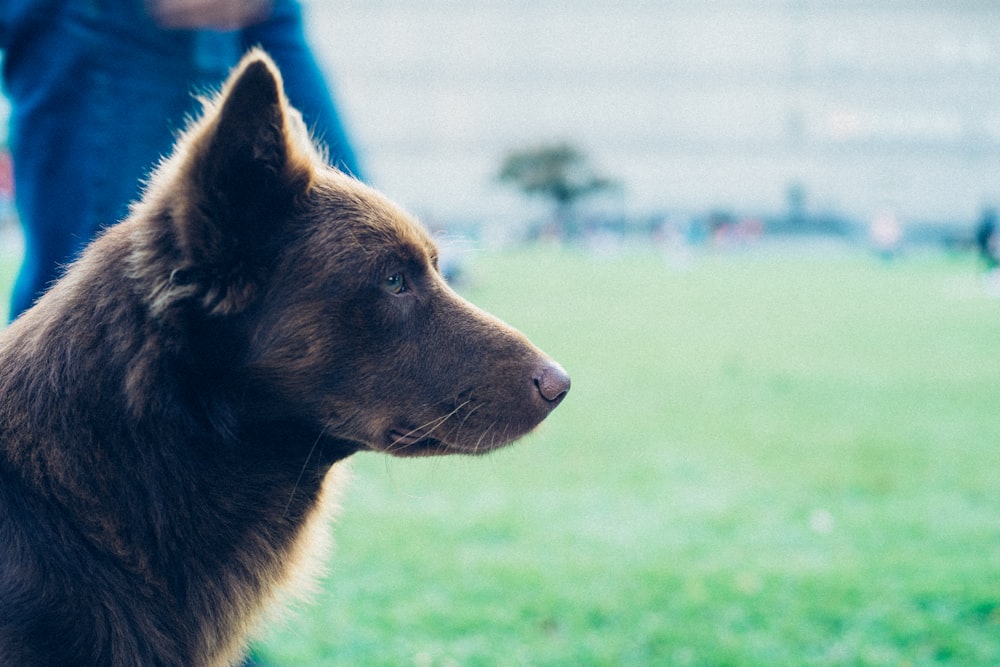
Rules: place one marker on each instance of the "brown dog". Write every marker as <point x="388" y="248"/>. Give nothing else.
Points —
<point x="173" y="409"/>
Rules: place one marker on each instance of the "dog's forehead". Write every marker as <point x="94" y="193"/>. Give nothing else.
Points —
<point x="402" y="229"/>
<point x="391" y="231"/>
<point x="363" y="219"/>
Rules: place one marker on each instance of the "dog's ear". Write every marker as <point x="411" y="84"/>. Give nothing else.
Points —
<point x="246" y="163"/>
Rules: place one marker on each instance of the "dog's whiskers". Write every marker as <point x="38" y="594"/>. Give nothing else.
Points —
<point x="479" y="441"/>
<point x="426" y="429"/>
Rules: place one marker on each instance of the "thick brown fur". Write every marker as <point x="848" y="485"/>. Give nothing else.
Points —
<point x="173" y="413"/>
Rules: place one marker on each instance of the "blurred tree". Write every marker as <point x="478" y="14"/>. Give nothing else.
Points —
<point x="559" y="172"/>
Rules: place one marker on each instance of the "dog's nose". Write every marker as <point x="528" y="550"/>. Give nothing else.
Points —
<point x="552" y="382"/>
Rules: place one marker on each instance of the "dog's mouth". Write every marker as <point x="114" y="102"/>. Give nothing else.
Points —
<point x="407" y="443"/>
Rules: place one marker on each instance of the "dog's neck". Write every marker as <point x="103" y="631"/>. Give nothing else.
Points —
<point x="211" y="474"/>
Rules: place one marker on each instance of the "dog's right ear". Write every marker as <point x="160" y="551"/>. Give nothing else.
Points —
<point x="239" y="171"/>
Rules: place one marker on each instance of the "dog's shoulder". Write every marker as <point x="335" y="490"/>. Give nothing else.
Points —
<point x="143" y="520"/>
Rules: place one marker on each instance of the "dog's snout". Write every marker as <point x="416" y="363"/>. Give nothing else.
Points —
<point x="552" y="382"/>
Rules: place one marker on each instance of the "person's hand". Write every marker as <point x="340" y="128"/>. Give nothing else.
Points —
<point x="218" y="14"/>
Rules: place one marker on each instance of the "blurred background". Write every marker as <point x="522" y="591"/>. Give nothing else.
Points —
<point x="828" y="112"/>
<point x="752" y="231"/>
<point x="807" y="115"/>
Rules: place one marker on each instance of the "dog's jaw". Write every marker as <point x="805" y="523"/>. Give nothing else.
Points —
<point x="446" y="435"/>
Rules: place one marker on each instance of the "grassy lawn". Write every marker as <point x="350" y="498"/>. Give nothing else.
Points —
<point x="766" y="459"/>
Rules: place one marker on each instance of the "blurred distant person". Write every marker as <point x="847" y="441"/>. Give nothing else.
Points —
<point x="988" y="240"/>
<point x="99" y="91"/>
<point x="886" y="234"/>
<point x="988" y="245"/>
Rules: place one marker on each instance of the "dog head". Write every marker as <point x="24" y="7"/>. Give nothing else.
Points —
<point x="307" y="296"/>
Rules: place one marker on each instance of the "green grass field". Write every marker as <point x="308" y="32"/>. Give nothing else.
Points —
<point x="764" y="460"/>
<point x="767" y="459"/>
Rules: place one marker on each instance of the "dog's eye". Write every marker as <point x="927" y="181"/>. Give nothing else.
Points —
<point x="394" y="284"/>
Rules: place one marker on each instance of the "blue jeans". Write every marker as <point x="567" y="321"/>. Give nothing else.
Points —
<point x="98" y="93"/>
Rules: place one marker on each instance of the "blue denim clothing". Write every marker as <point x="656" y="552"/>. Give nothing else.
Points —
<point x="98" y="93"/>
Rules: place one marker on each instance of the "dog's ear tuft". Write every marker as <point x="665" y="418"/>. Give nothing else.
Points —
<point x="247" y="164"/>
